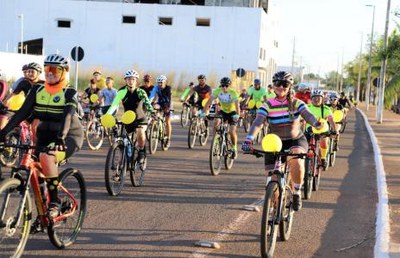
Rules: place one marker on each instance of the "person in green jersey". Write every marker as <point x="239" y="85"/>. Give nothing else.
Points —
<point x="270" y="92"/>
<point x="257" y="93"/>
<point x="320" y="110"/>
<point x="229" y="110"/>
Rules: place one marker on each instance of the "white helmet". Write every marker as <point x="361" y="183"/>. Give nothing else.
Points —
<point x="316" y="92"/>
<point x="131" y="73"/>
<point x="303" y="86"/>
<point x="161" y="78"/>
<point x="55" y="59"/>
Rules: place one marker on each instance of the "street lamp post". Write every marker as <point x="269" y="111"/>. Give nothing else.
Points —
<point x="368" y="90"/>
<point x="21" y="16"/>
<point x="359" y="72"/>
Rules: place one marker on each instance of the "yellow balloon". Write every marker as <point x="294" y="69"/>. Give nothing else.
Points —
<point x="271" y="143"/>
<point x="324" y="128"/>
<point x="16" y="101"/>
<point x="128" y="117"/>
<point x="258" y="104"/>
<point x="94" y="98"/>
<point x="204" y="102"/>
<point x="338" y="116"/>
<point x="107" y="120"/>
<point x="60" y="156"/>
<point x="251" y="104"/>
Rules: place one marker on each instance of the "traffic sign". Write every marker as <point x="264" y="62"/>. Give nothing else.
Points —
<point x="240" y="72"/>
<point x="77" y="53"/>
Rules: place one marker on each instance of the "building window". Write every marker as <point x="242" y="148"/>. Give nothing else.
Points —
<point x="129" y="19"/>
<point x="205" y="22"/>
<point x="165" y="20"/>
<point x="63" y="24"/>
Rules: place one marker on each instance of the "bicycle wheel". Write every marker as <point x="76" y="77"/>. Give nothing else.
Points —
<point x="154" y="136"/>
<point x="269" y="221"/>
<point x="137" y="172"/>
<point x="344" y="123"/>
<point x="285" y="225"/>
<point x="11" y="156"/>
<point x="228" y="160"/>
<point x="317" y="173"/>
<point x="115" y="169"/>
<point x="94" y="134"/>
<point x="332" y="152"/>
<point x="192" y="134"/>
<point x="216" y="152"/>
<point x="203" y="135"/>
<point x="14" y="232"/>
<point x="185" y="116"/>
<point x="247" y="122"/>
<point x="164" y="143"/>
<point x="308" y="178"/>
<point x="72" y="194"/>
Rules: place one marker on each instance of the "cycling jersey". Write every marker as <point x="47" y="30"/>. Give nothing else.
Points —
<point x="285" y="123"/>
<point x="164" y="96"/>
<point x="147" y="89"/>
<point x="89" y="91"/>
<point x="203" y="92"/>
<point x="108" y="95"/>
<point x="344" y="101"/>
<point x="25" y="85"/>
<point x="322" y="111"/>
<point x="192" y="98"/>
<point x="303" y="96"/>
<point x="226" y="100"/>
<point x="257" y="95"/>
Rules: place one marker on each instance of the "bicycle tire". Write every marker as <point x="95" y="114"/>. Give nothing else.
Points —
<point x="247" y="122"/>
<point x="14" y="239"/>
<point x="13" y="155"/>
<point x="185" y="116"/>
<point x="317" y="173"/>
<point x="332" y="152"/>
<point x="215" y="156"/>
<point x="285" y="225"/>
<point x="192" y="133"/>
<point x="115" y="169"/>
<point x="64" y="233"/>
<point x="269" y="225"/>
<point x="343" y="127"/>
<point x="137" y="173"/>
<point x="154" y="136"/>
<point x="228" y="160"/>
<point x="164" y="146"/>
<point x="94" y="138"/>
<point x="308" y="178"/>
<point x="203" y="135"/>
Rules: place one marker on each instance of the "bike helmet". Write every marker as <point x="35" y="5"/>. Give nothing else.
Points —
<point x="35" y="66"/>
<point x="303" y="86"/>
<point x="24" y="67"/>
<point x="55" y="59"/>
<point x="283" y="77"/>
<point x="316" y="92"/>
<point x="201" y="77"/>
<point x="333" y="97"/>
<point x="161" y="78"/>
<point x="131" y="73"/>
<point x="257" y="81"/>
<point x="225" y="81"/>
<point x="147" y="77"/>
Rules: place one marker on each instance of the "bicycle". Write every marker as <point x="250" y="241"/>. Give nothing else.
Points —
<point x="277" y="209"/>
<point x="95" y="132"/>
<point x="16" y="205"/>
<point x="197" y="128"/>
<point x="221" y="149"/>
<point x="186" y="114"/>
<point x="158" y="133"/>
<point x="122" y="156"/>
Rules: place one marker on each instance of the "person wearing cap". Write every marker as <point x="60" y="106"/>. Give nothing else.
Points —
<point x="98" y="79"/>
<point x="303" y="93"/>
<point x="270" y="92"/>
<point x="147" y="85"/>
<point x="257" y="93"/>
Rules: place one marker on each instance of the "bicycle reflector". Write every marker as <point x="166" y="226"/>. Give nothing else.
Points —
<point x="258" y="104"/>
<point x="271" y="143"/>
<point x="324" y="127"/>
<point x="107" y="120"/>
<point x="338" y="116"/>
<point x="128" y="117"/>
<point x="94" y="98"/>
<point x="16" y="101"/>
<point x="204" y="102"/>
<point x="251" y="104"/>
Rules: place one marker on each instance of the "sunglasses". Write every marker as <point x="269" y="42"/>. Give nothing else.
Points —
<point x="55" y="70"/>
<point x="224" y="86"/>
<point x="284" y="84"/>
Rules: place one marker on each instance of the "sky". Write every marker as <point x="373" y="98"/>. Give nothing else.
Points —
<point x="325" y="32"/>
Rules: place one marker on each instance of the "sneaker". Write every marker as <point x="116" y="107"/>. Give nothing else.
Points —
<point x="297" y="202"/>
<point x="54" y="210"/>
<point x="167" y="143"/>
<point x="141" y="156"/>
<point x="234" y="154"/>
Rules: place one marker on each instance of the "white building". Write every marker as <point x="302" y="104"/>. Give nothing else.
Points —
<point x="214" y="37"/>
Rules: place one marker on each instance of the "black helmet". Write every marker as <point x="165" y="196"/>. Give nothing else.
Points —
<point x="201" y="77"/>
<point x="283" y="77"/>
<point x="225" y="81"/>
<point x="35" y="66"/>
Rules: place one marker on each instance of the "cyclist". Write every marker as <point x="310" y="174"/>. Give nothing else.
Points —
<point x="54" y="107"/>
<point x="192" y="100"/>
<point x="32" y="78"/>
<point x="87" y="94"/>
<point x="107" y="95"/>
<point x="3" y="86"/>
<point x="270" y="92"/>
<point x="335" y="105"/>
<point x="135" y="99"/>
<point x="283" y="116"/>
<point x="345" y="102"/>
<point x="320" y="110"/>
<point x="303" y="93"/>
<point x="147" y="86"/>
<point x="230" y="110"/>
<point x="203" y="92"/>
<point x="162" y="95"/>
<point x="98" y="79"/>
<point x="257" y="93"/>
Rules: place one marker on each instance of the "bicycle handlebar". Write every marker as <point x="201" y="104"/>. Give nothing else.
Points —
<point x="285" y="153"/>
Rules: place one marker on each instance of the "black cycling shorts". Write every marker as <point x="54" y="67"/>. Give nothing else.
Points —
<point x="138" y="123"/>
<point x="228" y="117"/>
<point x="287" y="145"/>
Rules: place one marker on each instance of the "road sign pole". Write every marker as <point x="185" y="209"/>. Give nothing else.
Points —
<point x="76" y="69"/>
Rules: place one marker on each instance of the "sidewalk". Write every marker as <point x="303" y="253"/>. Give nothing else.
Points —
<point x="388" y="138"/>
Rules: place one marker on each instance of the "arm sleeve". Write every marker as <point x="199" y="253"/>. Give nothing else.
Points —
<point x="71" y="103"/>
<point x="115" y="104"/>
<point x="143" y="96"/>
<point x="153" y="93"/>
<point x="185" y="93"/>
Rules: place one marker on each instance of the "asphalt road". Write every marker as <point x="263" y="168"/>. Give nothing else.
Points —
<point x="182" y="203"/>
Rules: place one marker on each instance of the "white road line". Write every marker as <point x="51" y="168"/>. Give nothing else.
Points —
<point x="382" y="235"/>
